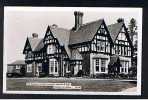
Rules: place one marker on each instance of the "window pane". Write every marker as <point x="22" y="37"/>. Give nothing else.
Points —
<point x="97" y="64"/>
<point x="56" y="66"/>
<point x="103" y="64"/>
<point x="29" y="68"/>
<point x="51" y="69"/>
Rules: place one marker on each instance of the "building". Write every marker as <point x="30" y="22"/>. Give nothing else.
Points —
<point x="93" y="48"/>
<point x="16" y="68"/>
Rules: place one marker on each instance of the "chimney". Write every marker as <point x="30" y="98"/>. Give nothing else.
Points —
<point x="78" y="19"/>
<point x="54" y="26"/>
<point x="34" y="35"/>
<point x="119" y="20"/>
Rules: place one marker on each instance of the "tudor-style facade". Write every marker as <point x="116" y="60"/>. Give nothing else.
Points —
<point x="93" y="48"/>
<point x="122" y="45"/>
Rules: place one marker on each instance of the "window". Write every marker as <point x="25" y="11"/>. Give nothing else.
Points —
<point x="80" y="67"/>
<point x="53" y="66"/>
<point x="17" y="67"/>
<point x="124" y="67"/>
<point x="100" y="46"/>
<point x="107" y="47"/>
<point x="29" y="68"/>
<point x="101" y="65"/>
<point x="56" y="69"/>
<point x="40" y="67"/>
<point x="120" y="50"/>
<point x="129" y="51"/>
<point x="125" y="51"/>
<point x="50" y="49"/>
<point x="97" y="64"/>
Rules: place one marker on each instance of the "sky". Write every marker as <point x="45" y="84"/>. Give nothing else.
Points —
<point x="21" y="22"/>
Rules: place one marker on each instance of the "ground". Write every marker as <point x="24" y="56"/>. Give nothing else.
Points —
<point x="99" y="85"/>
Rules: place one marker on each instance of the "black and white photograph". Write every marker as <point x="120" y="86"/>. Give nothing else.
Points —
<point x="72" y="50"/>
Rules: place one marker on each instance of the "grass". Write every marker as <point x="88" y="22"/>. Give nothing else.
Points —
<point x="19" y="84"/>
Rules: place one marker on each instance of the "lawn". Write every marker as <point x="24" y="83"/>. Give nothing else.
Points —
<point x="99" y="85"/>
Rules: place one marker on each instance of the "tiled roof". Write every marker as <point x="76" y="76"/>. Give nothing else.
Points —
<point x="63" y="37"/>
<point x="36" y="43"/>
<point x="40" y="45"/>
<point x="85" y="33"/>
<point x="114" y="29"/>
<point x="18" y="62"/>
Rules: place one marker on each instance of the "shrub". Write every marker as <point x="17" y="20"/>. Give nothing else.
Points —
<point x="42" y="74"/>
<point x="103" y="75"/>
<point x="80" y="73"/>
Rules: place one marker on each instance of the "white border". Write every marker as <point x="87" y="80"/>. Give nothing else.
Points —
<point x="103" y="9"/>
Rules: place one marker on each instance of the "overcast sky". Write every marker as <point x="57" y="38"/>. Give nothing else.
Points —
<point x="22" y="22"/>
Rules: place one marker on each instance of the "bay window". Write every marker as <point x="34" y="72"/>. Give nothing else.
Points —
<point x="29" y="67"/>
<point x="53" y="66"/>
<point x="101" y="65"/>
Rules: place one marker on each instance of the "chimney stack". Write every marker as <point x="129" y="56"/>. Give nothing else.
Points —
<point x="119" y="20"/>
<point x="34" y="35"/>
<point x="78" y="19"/>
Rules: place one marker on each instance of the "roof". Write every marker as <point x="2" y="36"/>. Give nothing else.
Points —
<point x="18" y="62"/>
<point x="36" y="43"/>
<point x="113" y="59"/>
<point x="40" y="45"/>
<point x="63" y="37"/>
<point x="85" y="33"/>
<point x="114" y="30"/>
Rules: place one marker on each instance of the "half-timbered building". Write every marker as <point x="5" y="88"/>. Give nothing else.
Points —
<point x="92" y="48"/>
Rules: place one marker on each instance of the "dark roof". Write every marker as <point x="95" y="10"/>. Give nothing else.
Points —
<point x="85" y="33"/>
<point x="114" y="30"/>
<point x="62" y="36"/>
<point x="18" y="62"/>
<point x="36" y="43"/>
<point x="113" y="59"/>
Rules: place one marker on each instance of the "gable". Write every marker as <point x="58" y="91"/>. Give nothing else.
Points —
<point x="58" y="35"/>
<point x="117" y="28"/>
<point x="75" y="55"/>
<point x="48" y="36"/>
<point x="103" y="33"/>
<point x="123" y="35"/>
<point x="102" y="40"/>
<point x="27" y="46"/>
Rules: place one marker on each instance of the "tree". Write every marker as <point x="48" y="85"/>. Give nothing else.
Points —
<point x="132" y="28"/>
<point x="133" y="35"/>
